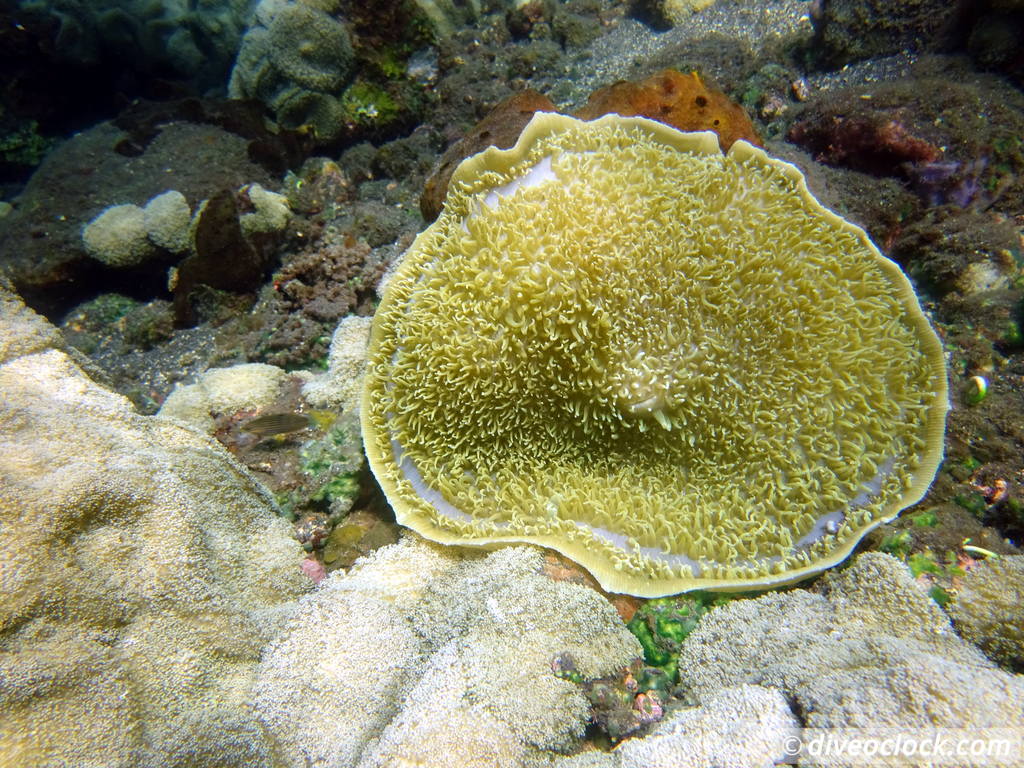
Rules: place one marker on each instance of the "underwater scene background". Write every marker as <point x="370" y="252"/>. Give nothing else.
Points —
<point x="665" y="449"/>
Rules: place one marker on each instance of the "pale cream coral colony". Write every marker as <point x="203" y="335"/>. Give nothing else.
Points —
<point x="673" y="366"/>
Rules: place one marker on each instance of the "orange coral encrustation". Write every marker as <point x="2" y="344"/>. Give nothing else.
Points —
<point x="682" y="101"/>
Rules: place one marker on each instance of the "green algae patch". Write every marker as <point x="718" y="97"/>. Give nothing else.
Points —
<point x="661" y="625"/>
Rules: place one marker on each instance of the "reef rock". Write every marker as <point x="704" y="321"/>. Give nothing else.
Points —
<point x="42" y="247"/>
<point x="849" y="30"/>
<point x="424" y="656"/>
<point x="143" y="571"/>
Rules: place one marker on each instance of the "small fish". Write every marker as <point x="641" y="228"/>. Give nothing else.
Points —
<point x="271" y="424"/>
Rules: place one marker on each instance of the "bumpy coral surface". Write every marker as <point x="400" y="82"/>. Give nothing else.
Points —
<point x="421" y="656"/>
<point x="296" y="58"/>
<point x="745" y="725"/>
<point x="341" y="385"/>
<point x="117" y="237"/>
<point x="143" y="571"/>
<point x="167" y="218"/>
<point x="224" y="391"/>
<point x="988" y="610"/>
<point x="674" y="367"/>
<point x="869" y="649"/>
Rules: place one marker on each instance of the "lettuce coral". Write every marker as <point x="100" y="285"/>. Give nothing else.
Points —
<point x="673" y="366"/>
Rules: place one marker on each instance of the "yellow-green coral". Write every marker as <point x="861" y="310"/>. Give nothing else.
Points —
<point x="674" y="367"/>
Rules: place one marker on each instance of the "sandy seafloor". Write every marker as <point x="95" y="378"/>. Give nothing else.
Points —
<point x="185" y="584"/>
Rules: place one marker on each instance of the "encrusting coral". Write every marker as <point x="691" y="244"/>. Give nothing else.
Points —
<point x="745" y="725"/>
<point x="674" y="367"/>
<point x="867" y="648"/>
<point x="142" y="572"/>
<point x="988" y="609"/>
<point x="425" y="655"/>
<point x="682" y="101"/>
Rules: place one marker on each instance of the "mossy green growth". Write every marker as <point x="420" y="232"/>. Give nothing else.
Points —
<point x="661" y="625"/>
<point x="365" y="103"/>
<point x="108" y="308"/>
<point x="24" y="145"/>
<point x="1015" y="508"/>
<point x="923" y="562"/>
<point x="330" y="469"/>
<point x="962" y="470"/>
<point x="345" y="486"/>
<point x="941" y="571"/>
<point x="940" y="596"/>
<point x="897" y="544"/>
<point x="926" y="519"/>
<point x="945" y="570"/>
<point x="973" y="502"/>
<point x="1012" y="335"/>
<point x="391" y="61"/>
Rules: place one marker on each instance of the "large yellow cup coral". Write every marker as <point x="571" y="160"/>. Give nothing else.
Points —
<point x="673" y="366"/>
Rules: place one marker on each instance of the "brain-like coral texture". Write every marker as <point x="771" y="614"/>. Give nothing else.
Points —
<point x="142" y="572"/>
<point x="117" y="237"/>
<point x="296" y="58"/>
<point x="424" y="656"/>
<point x="167" y="218"/>
<point x="340" y="386"/>
<point x="673" y="366"/>
<point x="224" y="391"/>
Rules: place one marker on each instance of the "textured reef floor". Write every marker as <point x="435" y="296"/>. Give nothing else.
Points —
<point x="198" y="568"/>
